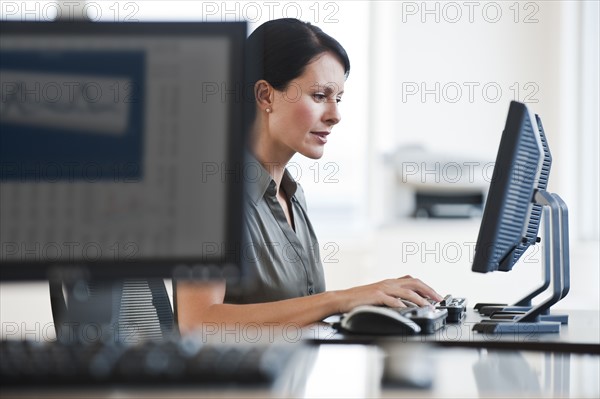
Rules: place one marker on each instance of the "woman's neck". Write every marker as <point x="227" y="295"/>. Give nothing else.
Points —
<point x="270" y="156"/>
<point x="273" y="164"/>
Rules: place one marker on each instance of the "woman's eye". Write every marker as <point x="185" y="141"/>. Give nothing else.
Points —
<point x="338" y="100"/>
<point x="320" y="96"/>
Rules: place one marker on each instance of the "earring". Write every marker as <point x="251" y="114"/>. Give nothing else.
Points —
<point x="268" y="110"/>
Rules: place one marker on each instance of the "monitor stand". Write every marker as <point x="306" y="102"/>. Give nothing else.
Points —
<point x="523" y="318"/>
<point x="503" y="311"/>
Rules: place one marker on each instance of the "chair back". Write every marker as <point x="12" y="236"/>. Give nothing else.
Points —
<point x="124" y="311"/>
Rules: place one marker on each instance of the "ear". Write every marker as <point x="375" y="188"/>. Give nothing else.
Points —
<point x="263" y="94"/>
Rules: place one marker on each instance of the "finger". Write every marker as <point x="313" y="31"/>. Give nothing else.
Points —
<point x="423" y="289"/>
<point x="393" y="302"/>
<point x="431" y="294"/>
<point x="415" y="297"/>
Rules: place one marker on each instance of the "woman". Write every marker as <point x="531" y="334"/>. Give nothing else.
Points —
<point x="296" y="98"/>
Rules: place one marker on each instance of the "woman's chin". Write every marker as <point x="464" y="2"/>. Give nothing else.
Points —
<point x="313" y="153"/>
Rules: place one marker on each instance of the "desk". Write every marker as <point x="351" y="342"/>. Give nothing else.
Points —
<point x="357" y="370"/>
<point x="581" y="335"/>
<point x="452" y="363"/>
<point x="469" y="372"/>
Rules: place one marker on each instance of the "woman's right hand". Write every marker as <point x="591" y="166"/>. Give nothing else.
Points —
<point x="388" y="293"/>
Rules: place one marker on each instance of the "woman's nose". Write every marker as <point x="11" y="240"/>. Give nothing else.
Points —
<point x="332" y="115"/>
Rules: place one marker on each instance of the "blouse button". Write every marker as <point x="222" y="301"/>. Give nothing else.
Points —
<point x="311" y="291"/>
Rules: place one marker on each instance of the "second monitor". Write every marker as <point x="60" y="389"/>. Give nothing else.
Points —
<point x="511" y="219"/>
<point x="117" y="148"/>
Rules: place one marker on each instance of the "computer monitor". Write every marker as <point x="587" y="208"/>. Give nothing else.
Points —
<point x="517" y="202"/>
<point x="511" y="219"/>
<point x="121" y="149"/>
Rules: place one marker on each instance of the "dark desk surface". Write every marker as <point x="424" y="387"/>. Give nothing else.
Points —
<point x="529" y="365"/>
<point x="580" y="335"/>
<point x="395" y="370"/>
<point x="525" y="365"/>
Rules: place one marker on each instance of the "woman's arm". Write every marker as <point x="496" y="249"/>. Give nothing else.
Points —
<point x="199" y="303"/>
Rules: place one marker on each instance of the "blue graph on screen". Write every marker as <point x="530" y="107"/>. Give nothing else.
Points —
<point x="71" y="115"/>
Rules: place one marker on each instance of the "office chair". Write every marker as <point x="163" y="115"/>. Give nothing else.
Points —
<point x="123" y="311"/>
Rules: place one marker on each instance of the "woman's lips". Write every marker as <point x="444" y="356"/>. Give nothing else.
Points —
<point x="322" y="136"/>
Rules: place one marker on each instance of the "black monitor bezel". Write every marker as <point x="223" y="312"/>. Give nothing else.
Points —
<point x="504" y="175"/>
<point x="197" y="268"/>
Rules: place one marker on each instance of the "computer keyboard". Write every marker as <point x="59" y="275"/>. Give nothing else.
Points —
<point x="183" y="362"/>
<point x="456" y="308"/>
<point x="409" y="319"/>
<point x="452" y="308"/>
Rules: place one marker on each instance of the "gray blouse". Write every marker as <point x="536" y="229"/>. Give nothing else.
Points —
<point x="281" y="263"/>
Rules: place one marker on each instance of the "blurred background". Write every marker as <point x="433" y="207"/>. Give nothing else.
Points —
<point x="422" y="116"/>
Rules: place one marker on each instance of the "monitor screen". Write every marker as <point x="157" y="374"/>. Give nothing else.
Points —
<point x="510" y="219"/>
<point x="120" y="145"/>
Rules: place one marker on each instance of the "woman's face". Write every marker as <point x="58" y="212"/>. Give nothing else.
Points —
<point x="304" y="113"/>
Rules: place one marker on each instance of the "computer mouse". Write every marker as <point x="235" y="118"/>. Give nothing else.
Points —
<point x="369" y="319"/>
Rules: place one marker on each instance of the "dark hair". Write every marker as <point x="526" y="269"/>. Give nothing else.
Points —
<point x="287" y="46"/>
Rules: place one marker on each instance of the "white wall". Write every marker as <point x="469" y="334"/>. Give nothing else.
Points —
<point x="535" y="56"/>
<point x="546" y="55"/>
